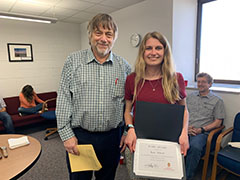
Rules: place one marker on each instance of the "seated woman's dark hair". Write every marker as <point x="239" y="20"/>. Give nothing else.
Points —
<point x="28" y="92"/>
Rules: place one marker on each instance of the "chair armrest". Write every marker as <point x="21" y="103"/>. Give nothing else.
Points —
<point x="213" y="132"/>
<point x="45" y="103"/>
<point x="219" y="139"/>
<point x="208" y="149"/>
<point x="52" y="99"/>
<point x="210" y="137"/>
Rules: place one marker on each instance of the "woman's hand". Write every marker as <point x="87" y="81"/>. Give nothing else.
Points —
<point x="131" y="139"/>
<point x="184" y="144"/>
<point x="122" y="144"/>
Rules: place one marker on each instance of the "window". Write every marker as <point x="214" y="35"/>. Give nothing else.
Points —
<point x="218" y="40"/>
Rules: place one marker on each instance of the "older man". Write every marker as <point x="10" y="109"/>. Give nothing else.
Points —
<point x="206" y="112"/>
<point x="91" y="99"/>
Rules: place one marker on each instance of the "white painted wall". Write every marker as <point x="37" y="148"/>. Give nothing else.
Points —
<point x="184" y="37"/>
<point x="51" y="44"/>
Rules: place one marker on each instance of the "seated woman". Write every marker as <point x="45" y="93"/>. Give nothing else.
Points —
<point x="28" y="99"/>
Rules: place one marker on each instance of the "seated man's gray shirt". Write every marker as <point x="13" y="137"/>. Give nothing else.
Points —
<point x="203" y="110"/>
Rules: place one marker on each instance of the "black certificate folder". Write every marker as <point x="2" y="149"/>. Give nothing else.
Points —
<point x="158" y="121"/>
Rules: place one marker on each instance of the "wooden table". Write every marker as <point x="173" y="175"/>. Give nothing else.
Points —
<point x="19" y="160"/>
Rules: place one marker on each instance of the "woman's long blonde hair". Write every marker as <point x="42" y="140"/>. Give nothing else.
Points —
<point x="169" y="77"/>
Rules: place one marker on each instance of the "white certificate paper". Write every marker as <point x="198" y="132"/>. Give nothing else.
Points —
<point x="160" y="159"/>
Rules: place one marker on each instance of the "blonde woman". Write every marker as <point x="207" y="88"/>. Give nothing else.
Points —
<point x="154" y="80"/>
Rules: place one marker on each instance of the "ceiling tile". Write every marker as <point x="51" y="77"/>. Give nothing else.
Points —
<point x="83" y="15"/>
<point x="73" y="11"/>
<point x="49" y="2"/>
<point x="93" y="1"/>
<point x="74" y="4"/>
<point x="59" y="13"/>
<point x="74" y="20"/>
<point x="40" y="2"/>
<point x="29" y="8"/>
<point x="100" y="9"/>
<point x="5" y="5"/>
<point x="120" y="4"/>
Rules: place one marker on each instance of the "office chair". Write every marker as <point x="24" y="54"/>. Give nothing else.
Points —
<point x="228" y="158"/>
<point x="211" y="142"/>
<point x="49" y="115"/>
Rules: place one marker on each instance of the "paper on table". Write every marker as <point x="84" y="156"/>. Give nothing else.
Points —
<point x="234" y="144"/>
<point x="18" y="142"/>
<point x="87" y="160"/>
<point x="155" y="158"/>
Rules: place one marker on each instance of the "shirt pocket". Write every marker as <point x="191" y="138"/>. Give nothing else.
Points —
<point x="79" y="85"/>
<point x="117" y="88"/>
<point x="208" y="109"/>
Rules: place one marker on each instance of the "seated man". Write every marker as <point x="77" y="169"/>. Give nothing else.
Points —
<point x="6" y="118"/>
<point x="206" y="112"/>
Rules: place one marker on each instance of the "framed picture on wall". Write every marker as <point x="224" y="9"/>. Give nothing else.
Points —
<point x="19" y="52"/>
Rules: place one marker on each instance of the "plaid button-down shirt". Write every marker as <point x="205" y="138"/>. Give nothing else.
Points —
<point x="91" y="95"/>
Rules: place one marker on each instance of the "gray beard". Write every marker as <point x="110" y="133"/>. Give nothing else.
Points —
<point x="104" y="53"/>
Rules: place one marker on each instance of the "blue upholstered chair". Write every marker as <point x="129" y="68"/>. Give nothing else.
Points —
<point x="228" y="158"/>
<point x="49" y="115"/>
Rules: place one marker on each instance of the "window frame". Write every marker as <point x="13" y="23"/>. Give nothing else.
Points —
<point x="198" y="44"/>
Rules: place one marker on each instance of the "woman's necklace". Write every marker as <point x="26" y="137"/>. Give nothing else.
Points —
<point x="154" y="86"/>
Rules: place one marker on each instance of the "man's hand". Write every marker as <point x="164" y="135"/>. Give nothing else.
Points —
<point x="71" y="145"/>
<point x="194" y="131"/>
<point x="190" y="130"/>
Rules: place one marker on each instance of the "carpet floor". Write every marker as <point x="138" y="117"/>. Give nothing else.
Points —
<point x="52" y="164"/>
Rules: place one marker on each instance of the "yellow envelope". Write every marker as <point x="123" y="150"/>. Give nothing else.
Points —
<point x="87" y="160"/>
